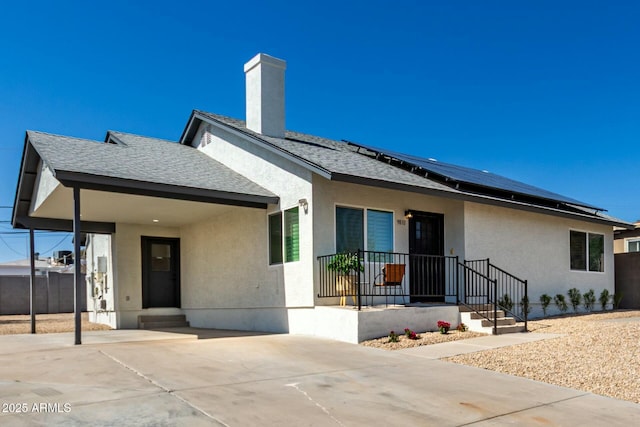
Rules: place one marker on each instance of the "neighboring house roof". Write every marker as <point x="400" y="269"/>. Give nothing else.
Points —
<point x="350" y="162"/>
<point x="134" y="164"/>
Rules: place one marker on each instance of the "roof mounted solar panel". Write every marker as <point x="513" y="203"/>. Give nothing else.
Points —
<point x="453" y="174"/>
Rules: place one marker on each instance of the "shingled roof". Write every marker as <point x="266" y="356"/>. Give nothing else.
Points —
<point x="344" y="161"/>
<point x="134" y="164"/>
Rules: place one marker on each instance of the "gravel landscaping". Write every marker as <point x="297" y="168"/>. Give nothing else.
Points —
<point x="598" y="353"/>
<point x="46" y="324"/>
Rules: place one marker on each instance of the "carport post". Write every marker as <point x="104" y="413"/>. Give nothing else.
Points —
<point x="32" y="282"/>
<point x="77" y="264"/>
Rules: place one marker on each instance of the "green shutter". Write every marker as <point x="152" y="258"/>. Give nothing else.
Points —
<point x="291" y="235"/>
<point x="275" y="238"/>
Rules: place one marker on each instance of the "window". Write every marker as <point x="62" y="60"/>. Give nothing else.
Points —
<point x="379" y="231"/>
<point x="291" y="235"/>
<point x="275" y="238"/>
<point x="586" y="251"/>
<point x="350" y="230"/>
<point x="633" y="245"/>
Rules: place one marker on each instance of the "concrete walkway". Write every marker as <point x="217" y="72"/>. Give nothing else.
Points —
<point x="231" y="378"/>
<point x="454" y="348"/>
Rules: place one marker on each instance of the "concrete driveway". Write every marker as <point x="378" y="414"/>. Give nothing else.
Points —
<point x="231" y="378"/>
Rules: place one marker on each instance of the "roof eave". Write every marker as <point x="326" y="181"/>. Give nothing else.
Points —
<point x="477" y="198"/>
<point x="144" y="188"/>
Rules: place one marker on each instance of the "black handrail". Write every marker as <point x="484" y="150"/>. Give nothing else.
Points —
<point x="511" y="291"/>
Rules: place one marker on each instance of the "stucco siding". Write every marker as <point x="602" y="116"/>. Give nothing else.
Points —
<point x="100" y="284"/>
<point x="127" y="250"/>
<point x="225" y="263"/>
<point x="535" y="247"/>
<point x="329" y="194"/>
<point x="290" y="181"/>
<point x="45" y="184"/>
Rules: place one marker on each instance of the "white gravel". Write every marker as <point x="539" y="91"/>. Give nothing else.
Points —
<point x="599" y="353"/>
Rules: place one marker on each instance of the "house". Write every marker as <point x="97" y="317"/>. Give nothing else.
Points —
<point x="627" y="240"/>
<point x="235" y="226"/>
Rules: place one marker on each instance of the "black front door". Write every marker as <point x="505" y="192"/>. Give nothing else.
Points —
<point x="426" y="237"/>
<point x="160" y="272"/>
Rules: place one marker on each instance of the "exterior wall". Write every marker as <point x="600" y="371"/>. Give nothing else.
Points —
<point x="100" y="284"/>
<point x="227" y="282"/>
<point x="534" y="247"/>
<point x="329" y="194"/>
<point x="45" y="184"/>
<point x="290" y="181"/>
<point x="127" y="265"/>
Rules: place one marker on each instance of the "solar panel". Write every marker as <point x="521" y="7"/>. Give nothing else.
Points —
<point x="475" y="177"/>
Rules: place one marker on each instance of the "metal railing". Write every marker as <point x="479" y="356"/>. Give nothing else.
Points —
<point x="510" y="293"/>
<point x="408" y="278"/>
<point x="396" y="277"/>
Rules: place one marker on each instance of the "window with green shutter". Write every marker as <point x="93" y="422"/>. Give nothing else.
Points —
<point x="291" y="235"/>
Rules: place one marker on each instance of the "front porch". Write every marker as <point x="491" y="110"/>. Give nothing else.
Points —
<point x="392" y="291"/>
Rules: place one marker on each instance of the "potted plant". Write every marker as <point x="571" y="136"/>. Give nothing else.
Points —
<point x="347" y="266"/>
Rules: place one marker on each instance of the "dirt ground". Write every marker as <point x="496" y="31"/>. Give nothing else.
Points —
<point x="46" y="324"/>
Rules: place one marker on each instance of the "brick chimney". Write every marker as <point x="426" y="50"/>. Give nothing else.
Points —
<point x="265" y="95"/>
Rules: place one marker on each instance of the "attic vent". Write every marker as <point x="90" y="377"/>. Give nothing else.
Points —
<point x="206" y="136"/>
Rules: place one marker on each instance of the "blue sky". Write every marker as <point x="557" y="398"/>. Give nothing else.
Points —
<point x="545" y="92"/>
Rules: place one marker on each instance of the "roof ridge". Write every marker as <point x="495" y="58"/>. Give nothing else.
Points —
<point x="62" y="136"/>
<point x="117" y="132"/>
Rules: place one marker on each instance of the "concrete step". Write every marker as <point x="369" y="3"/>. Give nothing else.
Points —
<point x="519" y="327"/>
<point x="505" y="321"/>
<point x="486" y="314"/>
<point x="162" y="321"/>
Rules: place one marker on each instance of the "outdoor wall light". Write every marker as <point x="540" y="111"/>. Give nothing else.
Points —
<point x="408" y="214"/>
<point x="305" y="205"/>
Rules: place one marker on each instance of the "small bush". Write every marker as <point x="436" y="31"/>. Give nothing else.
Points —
<point x="411" y="334"/>
<point x="589" y="299"/>
<point x="604" y="298"/>
<point x="560" y="302"/>
<point x="617" y="299"/>
<point x="505" y="302"/>
<point x="525" y="306"/>
<point x="545" y="300"/>
<point x="462" y="327"/>
<point x="393" y="337"/>
<point x="575" y="298"/>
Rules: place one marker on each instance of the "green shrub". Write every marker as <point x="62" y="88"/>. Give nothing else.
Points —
<point x="604" y="298"/>
<point x="617" y="298"/>
<point x="505" y="302"/>
<point x="545" y="300"/>
<point x="393" y="337"/>
<point x="589" y="299"/>
<point x="525" y="306"/>
<point x="560" y="302"/>
<point x="575" y="298"/>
